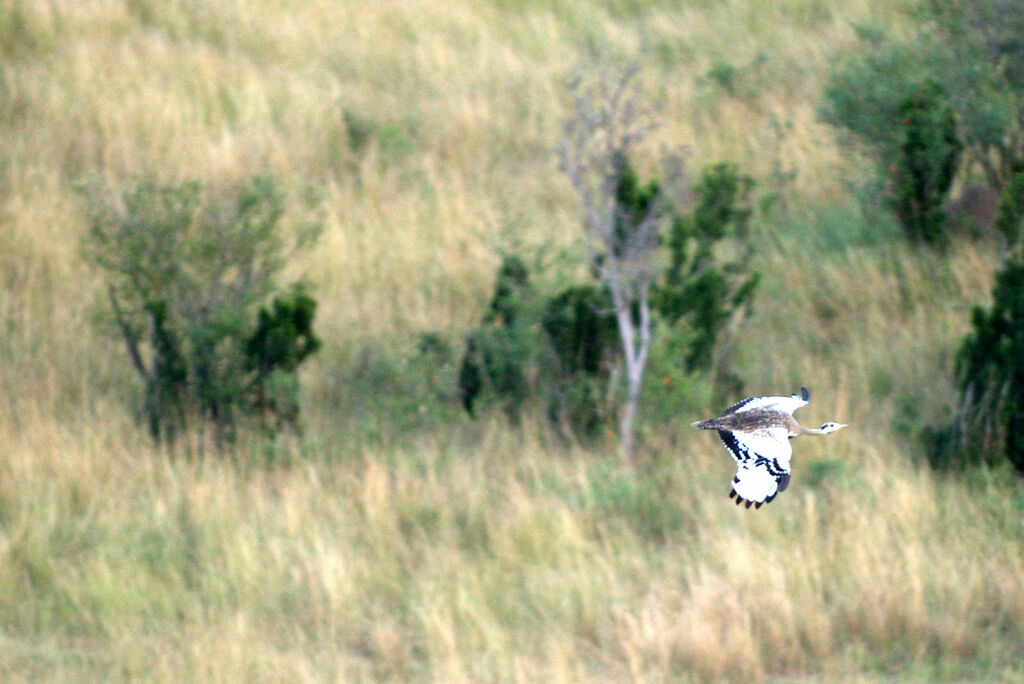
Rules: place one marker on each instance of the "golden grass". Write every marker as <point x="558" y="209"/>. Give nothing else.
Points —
<point x="512" y="561"/>
<point x="471" y="551"/>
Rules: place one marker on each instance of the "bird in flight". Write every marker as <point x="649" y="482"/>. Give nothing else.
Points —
<point x="756" y="431"/>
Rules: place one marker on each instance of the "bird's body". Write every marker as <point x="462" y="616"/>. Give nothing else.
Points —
<point x="756" y="431"/>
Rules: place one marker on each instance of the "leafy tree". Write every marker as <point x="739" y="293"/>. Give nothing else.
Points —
<point x="622" y="219"/>
<point x="187" y="272"/>
<point x="868" y="87"/>
<point x="574" y="361"/>
<point x="698" y="286"/>
<point x="990" y="363"/>
<point x="965" y="57"/>
<point x="981" y="71"/>
<point x="596" y="335"/>
<point x="892" y="99"/>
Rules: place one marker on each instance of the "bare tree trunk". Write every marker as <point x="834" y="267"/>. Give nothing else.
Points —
<point x="635" y="336"/>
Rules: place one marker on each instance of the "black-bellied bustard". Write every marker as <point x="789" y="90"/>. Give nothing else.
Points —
<point x="756" y="431"/>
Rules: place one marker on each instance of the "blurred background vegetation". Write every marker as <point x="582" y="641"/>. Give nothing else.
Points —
<point x="306" y="372"/>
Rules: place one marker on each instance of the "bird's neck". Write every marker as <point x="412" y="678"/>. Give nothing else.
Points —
<point x="812" y="431"/>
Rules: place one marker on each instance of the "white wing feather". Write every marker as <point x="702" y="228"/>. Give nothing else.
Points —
<point x="755" y="484"/>
<point x="784" y="404"/>
<point x="762" y="464"/>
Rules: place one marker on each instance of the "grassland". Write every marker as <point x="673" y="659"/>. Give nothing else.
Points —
<point x="397" y="539"/>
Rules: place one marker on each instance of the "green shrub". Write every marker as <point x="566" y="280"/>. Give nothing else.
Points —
<point x="499" y="351"/>
<point x="891" y="98"/>
<point x="990" y="363"/>
<point x="991" y="374"/>
<point x="559" y="350"/>
<point x="956" y="75"/>
<point x="188" y="273"/>
<point x="980" y="45"/>
<point x="929" y="152"/>
<point x="699" y="288"/>
<point x="867" y="88"/>
<point x="1011" y="209"/>
<point x="564" y="349"/>
<point x="584" y="339"/>
<point x="282" y="340"/>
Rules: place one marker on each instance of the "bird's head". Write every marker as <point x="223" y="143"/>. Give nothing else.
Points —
<point x="828" y="427"/>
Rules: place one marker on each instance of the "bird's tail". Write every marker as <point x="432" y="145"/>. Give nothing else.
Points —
<point x="703" y="425"/>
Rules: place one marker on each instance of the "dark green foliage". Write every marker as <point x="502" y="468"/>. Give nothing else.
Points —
<point x="584" y="338"/>
<point x="928" y="156"/>
<point x="560" y="350"/>
<point x="565" y="349"/>
<point x="495" y="360"/>
<point x="498" y="351"/>
<point x="510" y="292"/>
<point x="1011" y="209"/>
<point x="891" y="98"/>
<point x="581" y="329"/>
<point x="635" y="202"/>
<point x="868" y="87"/>
<point x="991" y="374"/>
<point x="284" y="334"/>
<point x="187" y="271"/>
<point x="990" y="364"/>
<point x="167" y="384"/>
<point x="983" y="75"/>
<point x="958" y="76"/>
<point x="698" y="286"/>
<point x="282" y="340"/>
<point x="471" y="374"/>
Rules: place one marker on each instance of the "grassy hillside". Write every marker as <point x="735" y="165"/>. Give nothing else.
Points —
<point x="396" y="539"/>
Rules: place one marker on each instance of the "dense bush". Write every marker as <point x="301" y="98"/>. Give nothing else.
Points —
<point x="584" y="339"/>
<point x="890" y="98"/>
<point x="500" y="350"/>
<point x="559" y="349"/>
<point x="282" y="340"/>
<point x="990" y="364"/>
<point x="957" y="81"/>
<point x="189" y="272"/>
<point x="979" y="62"/>
<point x="868" y="87"/>
<point x="991" y="375"/>
<point x="1011" y="209"/>
<point x="700" y="288"/>
<point x="564" y="348"/>
<point x="929" y="152"/>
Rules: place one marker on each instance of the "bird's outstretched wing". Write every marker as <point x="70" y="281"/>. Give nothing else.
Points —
<point x="762" y="464"/>
<point x="784" y="404"/>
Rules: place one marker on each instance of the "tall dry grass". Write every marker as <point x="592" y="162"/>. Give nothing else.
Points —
<point x="379" y="547"/>
<point x="511" y="560"/>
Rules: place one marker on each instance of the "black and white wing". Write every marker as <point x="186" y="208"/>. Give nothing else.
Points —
<point x="762" y="463"/>
<point x="784" y="404"/>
